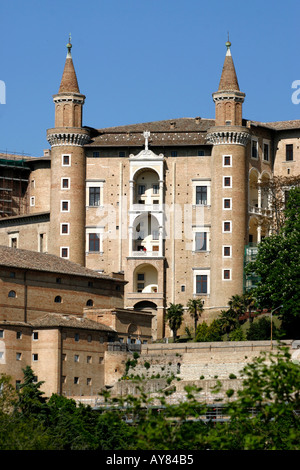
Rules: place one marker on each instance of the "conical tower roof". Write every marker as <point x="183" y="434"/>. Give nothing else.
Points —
<point x="229" y="81"/>
<point x="69" y="82"/>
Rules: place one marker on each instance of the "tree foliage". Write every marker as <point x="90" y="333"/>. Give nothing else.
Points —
<point x="174" y="317"/>
<point x="278" y="266"/>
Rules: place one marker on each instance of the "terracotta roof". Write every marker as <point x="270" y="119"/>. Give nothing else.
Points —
<point x="228" y="79"/>
<point x="57" y="320"/>
<point x="182" y="131"/>
<point x="69" y="82"/>
<point x="70" y="321"/>
<point x="25" y="259"/>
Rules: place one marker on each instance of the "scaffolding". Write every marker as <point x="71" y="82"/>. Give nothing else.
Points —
<point x="14" y="177"/>
<point x="250" y="254"/>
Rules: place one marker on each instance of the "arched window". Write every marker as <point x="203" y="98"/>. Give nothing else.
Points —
<point x="90" y="303"/>
<point x="57" y="299"/>
<point x="12" y="293"/>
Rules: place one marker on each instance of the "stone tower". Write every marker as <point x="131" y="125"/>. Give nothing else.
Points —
<point x="229" y="187"/>
<point x="68" y="169"/>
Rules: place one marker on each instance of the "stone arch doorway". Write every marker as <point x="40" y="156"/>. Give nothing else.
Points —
<point x="151" y="307"/>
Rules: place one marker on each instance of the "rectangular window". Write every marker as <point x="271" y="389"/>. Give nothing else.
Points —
<point x="226" y="160"/>
<point x="76" y="380"/>
<point x="289" y="152"/>
<point x="19" y="334"/>
<point x="140" y="286"/>
<point x="76" y="336"/>
<point x="89" y="359"/>
<point x="201" y="195"/>
<point x="65" y="206"/>
<point x="254" y="149"/>
<point x="64" y="229"/>
<point x="226" y="251"/>
<point x="155" y="235"/>
<point x="200" y="153"/>
<point x="65" y="183"/>
<point x="201" y="284"/>
<point x="1" y="333"/>
<point x="89" y="381"/>
<point x="35" y="357"/>
<point x="200" y="241"/>
<point x="32" y="201"/>
<point x="155" y="188"/>
<point x="64" y="252"/>
<point x="66" y="160"/>
<point x="141" y="277"/>
<point x="18" y="356"/>
<point x="94" y="242"/>
<point x="226" y="274"/>
<point x="266" y="152"/>
<point x="122" y="154"/>
<point x="226" y="203"/>
<point x="35" y="335"/>
<point x="174" y="153"/>
<point x="96" y="154"/>
<point x="141" y="189"/>
<point x="76" y="358"/>
<point x="227" y="226"/>
<point x="227" y="182"/>
<point x="94" y="196"/>
<point x="14" y="242"/>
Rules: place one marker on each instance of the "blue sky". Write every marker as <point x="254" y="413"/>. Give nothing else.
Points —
<point x="143" y="60"/>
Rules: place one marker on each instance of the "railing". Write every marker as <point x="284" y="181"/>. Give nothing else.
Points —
<point x="123" y="347"/>
<point x="260" y="211"/>
<point x="147" y="207"/>
<point x="145" y="254"/>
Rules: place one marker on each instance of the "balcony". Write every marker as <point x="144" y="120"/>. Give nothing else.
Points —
<point x="145" y="254"/>
<point x="254" y="210"/>
<point x="146" y="207"/>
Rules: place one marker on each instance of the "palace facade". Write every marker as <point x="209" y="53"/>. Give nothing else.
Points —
<point x="172" y="205"/>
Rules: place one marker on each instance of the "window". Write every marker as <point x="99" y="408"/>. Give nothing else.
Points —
<point x="155" y="235"/>
<point x="155" y="188"/>
<point x="226" y="274"/>
<point x="32" y="201"/>
<point x="64" y="252"/>
<point x="96" y="154"/>
<point x="90" y="303"/>
<point x="122" y="154"/>
<point x="12" y="294"/>
<point x="174" y="153"/>
<point x="141" y="189"/>
<point x="94" y="196"/>
<point x="58" y="299"/>
<point x="58" y="280"/>
<point x="94" y="242"/>
<point x="12" y="275"/>
<point x="200" y="241"/>
<point x="266" y="152"/>
<point x="42" y="239"/>
<point x="226" y="203"/>
<point x="89" y="359"/>
<point x="89" y="381"/>
<point x="32" y="184"/>
<point x="65" y="206"/>
<point x="18" y="356"/>
<point x="226" y="160"/>
<point x="76" y="358"/>
<point x="89" y="338"/>
<point x="1" y="356"/>
<point x="19" y="334"/>
<point x="227" y="226"/>
<point x="140" y="286"/>
<point x="141" y="276"/>
<point x="64" y="229"/>
<point x="35" y="357"/>
<point x="201" y="284"/>
<point x="76" y="337"/>
<point x="289" y="152"/>
<point x="35" y="335"/>
<point x="200" y="153"/>
<point x="76" y="380"/>
<point x="201" y="195"/>
<point x="226" y="251"/>
<point x="182" y="288"/>
<point x="227" y="182"/>
<point x="66" y="160"/>
<point x="65" y="183"/>
<point x="14" y="242"/>
<point x="1" y="333"/>
<point x="254" y="149"/>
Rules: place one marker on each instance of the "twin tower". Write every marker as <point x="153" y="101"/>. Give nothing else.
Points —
<point x="229" y="182"/>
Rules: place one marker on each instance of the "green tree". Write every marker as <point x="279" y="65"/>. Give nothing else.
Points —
<point x="228" y="321"/>
<point x="237" y="305"/>
<point x="30" y="397"/>
<point x="278" y="266"/>
<point x="261" y="330"/>
<point x="195" y="308"/>
<point x="209" y="333"/>
<point x="174" y="317"/>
